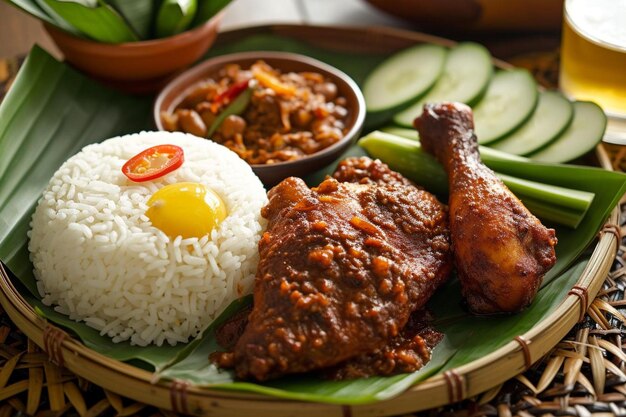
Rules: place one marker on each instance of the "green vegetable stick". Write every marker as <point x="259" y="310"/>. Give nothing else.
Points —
<point x="553" y="203"/>
<point x="237" y="106"/>
<point x="485" y="152"/>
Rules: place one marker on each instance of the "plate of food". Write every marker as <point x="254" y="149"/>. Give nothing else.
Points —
<point x="131" y="258"/>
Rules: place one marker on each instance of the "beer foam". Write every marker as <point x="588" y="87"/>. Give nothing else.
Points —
<point x="600" y="20"/>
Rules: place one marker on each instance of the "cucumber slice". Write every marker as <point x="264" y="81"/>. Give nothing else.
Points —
<point x="582" y="135"/>
<point x="551" y="117"/>
<point x="465" y="78"/>
<point x="403" y="78"/>
<point x="509" y="100"/>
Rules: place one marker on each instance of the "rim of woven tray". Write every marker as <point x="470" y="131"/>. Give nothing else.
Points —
<point x="454" y="385"/>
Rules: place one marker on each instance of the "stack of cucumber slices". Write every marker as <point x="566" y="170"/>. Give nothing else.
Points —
<point x="511" y="113"/>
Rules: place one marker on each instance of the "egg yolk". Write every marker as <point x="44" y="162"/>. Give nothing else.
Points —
<point x="186" y="209"/>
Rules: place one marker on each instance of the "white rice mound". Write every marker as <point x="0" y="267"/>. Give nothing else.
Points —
<point x="98" y="259"/>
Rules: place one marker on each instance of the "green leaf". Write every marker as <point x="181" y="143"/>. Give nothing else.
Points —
<point x="207" y="9"/>
<point x="237" y="106"/>
<point x="52" y="111"/>
<point x="137" y="13"/>
<point x="174" y="17"/>
<point x="59" y="21"/>
<point x="95" y="19"/>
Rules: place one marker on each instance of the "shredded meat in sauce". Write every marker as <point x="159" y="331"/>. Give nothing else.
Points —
<point x="343" y="267"/>
<point x="289" y="115"/>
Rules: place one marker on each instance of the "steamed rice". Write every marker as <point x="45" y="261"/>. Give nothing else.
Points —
<point x="98" y="259"/>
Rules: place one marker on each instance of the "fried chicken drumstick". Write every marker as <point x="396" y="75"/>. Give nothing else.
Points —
<point x="501" y="250"/>
<point x="342" y="267"/>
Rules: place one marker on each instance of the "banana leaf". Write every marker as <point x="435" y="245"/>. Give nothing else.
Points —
<point x="174" y="17"/>
<point x="207" y="9"/>
<point x="137" y="13"/>
<point x="94" y="19"/>
<point x="52" y="111"/>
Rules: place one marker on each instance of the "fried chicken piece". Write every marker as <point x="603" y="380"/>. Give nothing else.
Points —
<point x="501" y="250"/>
<point x="342" y="266"/>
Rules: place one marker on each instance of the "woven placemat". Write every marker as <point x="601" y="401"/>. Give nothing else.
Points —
<point x="584" y="375"/>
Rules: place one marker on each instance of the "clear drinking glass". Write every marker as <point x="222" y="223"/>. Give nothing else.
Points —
<point x="593" y="58"/>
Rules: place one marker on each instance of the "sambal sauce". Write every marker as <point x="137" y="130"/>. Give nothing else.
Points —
<point x="287" y="115"/>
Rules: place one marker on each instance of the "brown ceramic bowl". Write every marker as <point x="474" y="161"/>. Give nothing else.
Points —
<point x="271" y="174"/>
<point x="136" y="66"/>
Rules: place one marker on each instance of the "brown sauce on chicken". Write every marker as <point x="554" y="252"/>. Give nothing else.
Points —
<point x="343" y="266"/>
<point x="405" y="353"/>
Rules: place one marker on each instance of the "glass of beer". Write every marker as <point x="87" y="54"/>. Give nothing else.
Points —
<point x="593" y="58"/>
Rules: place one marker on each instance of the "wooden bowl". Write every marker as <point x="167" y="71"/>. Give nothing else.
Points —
<point x="477" y="15"/>
<point x="272" y="174"/>
<point x="142" y="66"/>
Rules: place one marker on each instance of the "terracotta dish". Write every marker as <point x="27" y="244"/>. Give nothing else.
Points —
<point x="271" y="174"/>
<point x="136" y="66"/>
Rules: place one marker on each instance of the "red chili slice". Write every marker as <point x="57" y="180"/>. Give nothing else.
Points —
<point x="229" y="95"/>
<point x="153" y="163"/>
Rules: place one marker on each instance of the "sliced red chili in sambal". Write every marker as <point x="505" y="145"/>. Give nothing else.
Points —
<point x="229" y="95"/>
<point x="286" y="116"/>
<point x="153" y="163"/>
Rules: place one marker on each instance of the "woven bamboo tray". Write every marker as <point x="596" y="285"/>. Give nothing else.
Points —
<point x="455" y="385"/>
